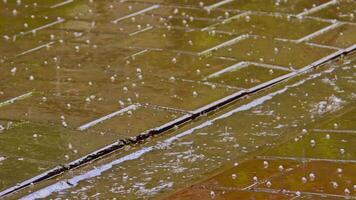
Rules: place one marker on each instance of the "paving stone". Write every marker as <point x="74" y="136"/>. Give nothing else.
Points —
<point x="321" y="177"/>
<point x="167" y="39"/>
<point x="134" y="122"/>
<point x="278" y="26"/>
<point x="339" y="146"/>
<point x="190" y="12"/>
<point x="185" y="3"/>
<point x="342" y="37"/>
<point x="344" y="121"/>
<point x="185" y="66"/>
<point x="237" y="77"/>
<point x="248" y="173"/>
<point x="274" y="52"/>
<point x="196" y="193"/>
<point x="294" y="7"/>
<point x="30" y="149"/>
<point x="29" y="42"/>
<point x="343" y="10"/>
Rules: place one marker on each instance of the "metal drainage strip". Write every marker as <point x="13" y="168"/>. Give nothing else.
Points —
<point x="170" y="125"/>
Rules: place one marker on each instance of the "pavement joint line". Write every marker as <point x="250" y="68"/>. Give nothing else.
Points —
<point x="73" y="30"/>
<point x="226" y="20"/>
<point x="182" y="17"/>
<point x="217" y="4"/>
<point x="284" y="40"/>
<point x="276" y="191"/>
<point x="164" y="50"/>
<point x="349" y="23"/>
<point x="330" y="20"/>
<point x="304" y="159"/>
<point x="272" y="66"/>
<point x="335" y="131"/>
<point x="62" y="3"/>
<point x="244" y="64"/>
<point x="226" y="58"/>
<point x="165" y="108"/>
<point x="322" y="19"/>
<point x="317" y="8"/>
<point x="187" y="29"/>
<point x="136" y="13"/>
<point x="58" y="21"/>
<point x="322" y="46"/>
<point x="35" y="49"/>
<point x="168" y="126"/>
<point x="137" y="54"/>
<point x="106" y="117"/>
<point x="233" y="67"/>
<point x="223" y="32"/>
<point x="140" y="31"/>
<point x="13" y="100"/>
<point x="319" y="32"/>
<point x="227" y="43"/>
<point x="212" y="84"/>
<point x="223" y="85"/>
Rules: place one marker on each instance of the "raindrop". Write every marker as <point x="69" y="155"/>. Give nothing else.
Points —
<point x="265" y="164"/>
<point x="280" y="168"/>
<point x="268" y="184"/>
<point x="172" y="78"/>
<point x="6" y="37"/>
<point x="255" y="179"/>
<point x="125" y="89"/>
<point x="13" y="71"/>
<point x="64" y="124"/>
<point x="347" y="191"/>
<point x="195" y="94"/>
<point x="14" y="12"/>
<point x="304" y="180"/>
<point x="312" y="176"/>
<point x="122" y="104"/>
<point x="312" y="143"/>
<point x="334" y="184"/>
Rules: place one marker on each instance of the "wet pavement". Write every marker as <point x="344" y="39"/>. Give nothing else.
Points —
<point x="248" y="99"/>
